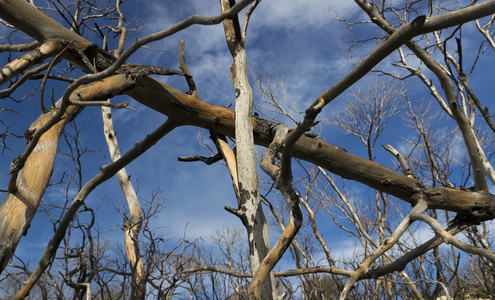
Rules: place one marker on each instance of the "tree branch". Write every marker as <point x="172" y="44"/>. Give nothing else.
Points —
<point x="106" y="173"/>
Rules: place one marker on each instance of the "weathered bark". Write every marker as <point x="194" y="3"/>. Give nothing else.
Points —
<point x="190" y="110"/>
<point x="295" y="220"/>
<point x="107" y="172"/>
<point x="20" y="205"/>
<point x="28" y="60"/>
<point x="457" y="114"/>
<point x="249" y="210"/>
<point x="132" y="227"/>
<point x="18" y="209"/>
<point x="397" y="38"/>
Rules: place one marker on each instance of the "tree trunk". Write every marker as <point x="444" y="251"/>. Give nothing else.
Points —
<point x="21" y="202"/>
<point x="132" y="227"/>
<point x="19" y="206"/>
<point x="250" y="210"/>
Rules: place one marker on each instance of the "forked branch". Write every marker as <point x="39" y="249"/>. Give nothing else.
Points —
<point x="419" y="208"/>
<point x="293" y="200"/>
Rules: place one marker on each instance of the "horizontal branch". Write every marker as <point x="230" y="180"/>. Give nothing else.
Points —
<point x="32" y="58"/>
<point x="216" y="270"/>
<point x="287" y="273"/>
<point x="207" y="160"/>
<point x="101" y="103"/>
<point x="19" y="47"/>
<point x="191" y="110"/>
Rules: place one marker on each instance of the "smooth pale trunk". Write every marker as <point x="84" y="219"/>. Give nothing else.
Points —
<point x="132" y="227"/>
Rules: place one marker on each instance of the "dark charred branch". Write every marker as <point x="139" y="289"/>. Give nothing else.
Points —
<point x="207" y="160"/>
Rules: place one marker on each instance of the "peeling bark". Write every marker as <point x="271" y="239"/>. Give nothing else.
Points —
<point x="250" y="210"/>
<point x="106" y="173"/>
<point x="28" y="60"/>
<point x="19" y="206"/>
<point x="191" y="110"/>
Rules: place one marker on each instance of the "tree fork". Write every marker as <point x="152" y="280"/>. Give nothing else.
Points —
<point x="191" y="110"/>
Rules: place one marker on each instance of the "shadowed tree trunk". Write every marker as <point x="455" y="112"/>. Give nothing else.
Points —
<point x="30" y="176"/>
<point x="249" y="211"/>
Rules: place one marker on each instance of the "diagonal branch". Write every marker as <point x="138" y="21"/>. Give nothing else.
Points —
<point x="400" y="263"/>
<point x="419" y="208"/>
<point x="418" y="26"/>
<point x="356" y="220"/>
<point x="102" y="89"/>
<point x="432" y="24"/>
<point x="296" y="217"/>
<point x="191" y="110"/>
<point x="106" y="173"/>
<point x="450" y="239"/>
<point x="27" y="182"/>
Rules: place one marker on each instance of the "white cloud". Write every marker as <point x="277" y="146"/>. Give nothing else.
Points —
<point x="298" y="15"/>
<point x="194" y="191"/>
<point x="297" y="38"/>
<point x="271" y="43"/>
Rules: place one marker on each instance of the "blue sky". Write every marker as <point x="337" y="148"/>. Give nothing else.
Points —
<point x="299" y="40"/>
<point x="300" y="45"/>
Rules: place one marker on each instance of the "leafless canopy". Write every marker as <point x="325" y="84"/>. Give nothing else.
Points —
<point x="431" y="187"/>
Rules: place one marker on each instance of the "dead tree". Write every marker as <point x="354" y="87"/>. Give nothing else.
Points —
<point x="109" y="76"/>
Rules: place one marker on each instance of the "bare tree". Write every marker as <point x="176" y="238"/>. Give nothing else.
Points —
<point x="425" y="30"/>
